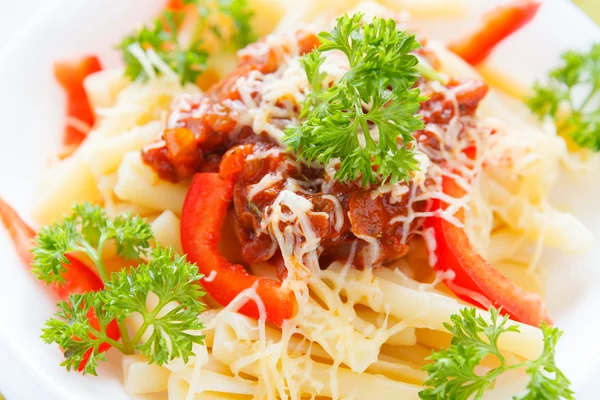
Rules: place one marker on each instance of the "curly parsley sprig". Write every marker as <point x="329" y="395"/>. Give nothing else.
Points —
<point x="453" y="374"/>
<point x="161" y="37"/>
<point x="188" y="61"/>
<point x="173" y="323"/>
<point x="558" y="98"/>
<point x="360" y="118"/>
<point x="238" y="11"/>
<point x="87" y="323"/>
<point x="88" y="230"/>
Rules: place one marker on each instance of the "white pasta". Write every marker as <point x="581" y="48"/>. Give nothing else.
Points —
<point x="103" y="87"/>
<point x="70" y="181"/>
<point x="139" y="184"/>
<point x="105" y="156"/>
<point x="141" y="377"/>
<point x="236" y="339"/>
<point x="166" y="230"/>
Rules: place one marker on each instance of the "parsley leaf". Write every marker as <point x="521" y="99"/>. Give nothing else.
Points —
<point x="161" y="37"/>
<point x="579" y="120"/>
<point x="176" y="284"/>
<point x="453" y="375"/>
<point x="87" y="230"/>
<point x="173" y="323"/>
<point x="237" y="11"/>
<point x="361" y="118"/>
<point x="188" y="62"/>
<point x="71" y="331"/>
<point x="241" y="14"/>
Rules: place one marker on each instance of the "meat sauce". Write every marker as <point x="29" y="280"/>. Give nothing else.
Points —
<point x="204" y="137"/>
<point x="204" y="129"/>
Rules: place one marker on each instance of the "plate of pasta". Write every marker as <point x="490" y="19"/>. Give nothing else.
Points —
<point x="259" y="199"/>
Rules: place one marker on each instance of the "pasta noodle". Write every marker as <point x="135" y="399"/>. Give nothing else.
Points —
<point x="69" y="182"/>
<point x="166" y="230"/>
<point x="103" y="87"/>
<point x="142" y="378"/>
<point x="105" y="156"/>
<point x="139" y="184"/>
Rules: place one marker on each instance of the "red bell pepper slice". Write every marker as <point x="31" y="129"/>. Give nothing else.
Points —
<point x="497" y="25"/>
<point x="475" y="280"/>
<point x="202" y="217"/>
<point x="70" y="75"/>
<point x="174" y="5"/>
<point x="78" y="278"/>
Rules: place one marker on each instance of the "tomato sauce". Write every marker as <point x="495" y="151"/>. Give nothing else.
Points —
<point x="206" y="138"/>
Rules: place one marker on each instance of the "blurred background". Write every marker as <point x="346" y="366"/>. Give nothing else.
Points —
<point x="591" y="7"/>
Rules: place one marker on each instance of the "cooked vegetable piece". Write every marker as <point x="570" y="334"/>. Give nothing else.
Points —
<point x="202" y="217"/>
<point x="497" y="25"/>
<point x="381" y="76"/>
<point x="576" y="116"/>
<point x="475" y="280"/>
<point x="454" y="372"/>
<point x="80" y="116"/>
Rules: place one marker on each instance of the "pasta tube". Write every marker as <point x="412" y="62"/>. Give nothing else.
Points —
<point x="139" y="377"/>
<point x="138" y="183"/>
<point x="104" y="156"/>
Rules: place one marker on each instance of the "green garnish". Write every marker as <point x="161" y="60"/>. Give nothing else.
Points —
<point x="453" y="374"/>
<point x="188" y="61"/>
<point x="578" y="75"/>
<point x="377" y="91"/>
<point x="88" y="230"/>
<point x="238" y="11"/>
<point x="161" y="36"/>
<point x="170" y="277"/>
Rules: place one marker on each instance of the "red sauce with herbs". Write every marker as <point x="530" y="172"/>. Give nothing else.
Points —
<point x="205" y="132"/>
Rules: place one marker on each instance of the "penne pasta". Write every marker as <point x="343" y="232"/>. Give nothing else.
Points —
<point x="138" y="184"/>
<point x="166" y="230"/>
<point x="208" y="385"/>
<point x="319" y="379"/>
<point x="105" y="156"/>
<point x="70" y="181"/>
<point x="429" y="310"/>
<point x="103" y="87"/>
<point x="142" y="378"/>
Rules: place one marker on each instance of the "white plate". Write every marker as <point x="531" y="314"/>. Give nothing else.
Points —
<point x="31" y="113"/>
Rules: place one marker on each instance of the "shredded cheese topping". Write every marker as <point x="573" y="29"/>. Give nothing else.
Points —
<point x="360" y="332"/>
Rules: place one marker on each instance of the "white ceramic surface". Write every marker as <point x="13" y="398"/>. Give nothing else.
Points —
<point x="31" y="111"/>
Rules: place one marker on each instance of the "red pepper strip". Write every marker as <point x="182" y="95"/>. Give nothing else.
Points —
<point x="474" y="276"/>
<point x="202" y="217"/>
<point x="497" y="25"/>
<point x="70" y="75"/>
<point x="78" y="278"/>
<point x="22" y="234"/>
<point x="174" y="5"/>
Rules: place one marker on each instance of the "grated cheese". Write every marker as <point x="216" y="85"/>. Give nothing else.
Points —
<point x="346" y="340"/>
